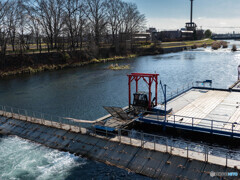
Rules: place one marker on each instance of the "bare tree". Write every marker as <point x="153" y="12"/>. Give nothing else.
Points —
<point x="4" y="7"/>
<point x="50" y="15"/>
<point x="133" y="19"/>
<point x="114" y="18"/>
<point x="75" y="20"/>
<point x="96" y="13"/>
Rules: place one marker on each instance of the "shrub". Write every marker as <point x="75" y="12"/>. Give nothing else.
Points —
<point x="234" y="48"/>
<point x="224" y="44"/>
<point x="216" y="45"/>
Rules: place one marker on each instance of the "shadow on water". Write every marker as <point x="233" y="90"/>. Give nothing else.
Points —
<point x="167" y="57"/>
<point x="190" y="56"/>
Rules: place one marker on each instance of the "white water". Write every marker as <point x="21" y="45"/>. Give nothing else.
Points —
<point x="21" y="159"/>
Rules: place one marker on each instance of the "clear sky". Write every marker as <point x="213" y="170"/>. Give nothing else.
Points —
<point x="222" y="16"/>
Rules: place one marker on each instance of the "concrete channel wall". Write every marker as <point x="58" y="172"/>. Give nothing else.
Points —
<point x="138" y="156"/>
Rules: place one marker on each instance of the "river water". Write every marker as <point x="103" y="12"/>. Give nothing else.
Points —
<point x="81" y="93"/>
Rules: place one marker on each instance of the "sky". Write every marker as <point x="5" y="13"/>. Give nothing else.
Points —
<point x="221" y="16"/>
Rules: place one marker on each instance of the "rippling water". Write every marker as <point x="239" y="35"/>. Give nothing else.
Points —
<point x="81" y="93"/>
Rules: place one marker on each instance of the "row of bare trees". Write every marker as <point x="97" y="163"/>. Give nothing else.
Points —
<point x="65" y="23"/>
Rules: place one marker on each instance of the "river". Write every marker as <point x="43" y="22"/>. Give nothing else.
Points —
<point x="81" y="93"/>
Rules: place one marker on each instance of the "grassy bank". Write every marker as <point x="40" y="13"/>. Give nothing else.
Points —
<point x="51" y="67"/>
<point x="200" y="43"/>
<point x="149" y="49"/>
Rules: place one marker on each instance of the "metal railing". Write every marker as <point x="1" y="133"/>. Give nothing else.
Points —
<point x="138" y="139"/>
<point x="201" y="124"/>
<point x="38" y="117"/>
<point x="189" y="150"/>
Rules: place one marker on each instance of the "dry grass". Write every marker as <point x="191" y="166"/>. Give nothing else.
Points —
<point x="216" y="45"/>
<point x="224" y="44"/>
<point x="117" y="67"/>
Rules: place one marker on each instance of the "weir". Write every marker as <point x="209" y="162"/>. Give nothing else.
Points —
<point x="147" y="154"/>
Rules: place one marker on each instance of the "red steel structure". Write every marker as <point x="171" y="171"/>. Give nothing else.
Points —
<point x="149" y="79"/>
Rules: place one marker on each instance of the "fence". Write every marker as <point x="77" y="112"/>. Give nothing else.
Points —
<point x="189" y="150"/>
<point x="40" y="118"/>
<point x="139" y="139"/>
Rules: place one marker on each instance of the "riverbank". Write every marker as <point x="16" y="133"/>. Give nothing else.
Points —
<point x="30" y="63"/>
<point x="51" y="67"/>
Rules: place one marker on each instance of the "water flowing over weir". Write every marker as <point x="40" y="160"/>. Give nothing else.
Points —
<point x="68" y="94"/>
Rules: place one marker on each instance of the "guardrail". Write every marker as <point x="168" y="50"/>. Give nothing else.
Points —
<point x="38" y="117"/>
<point x="197" y="124"/>
<point x="189" y="150"/>
<point x="209" y="124"/>
<point x="139" y="139"/>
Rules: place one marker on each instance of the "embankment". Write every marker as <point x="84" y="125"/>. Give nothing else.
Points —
<point x="28" y="63"/>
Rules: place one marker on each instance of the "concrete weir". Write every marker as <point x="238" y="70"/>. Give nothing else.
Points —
<point x="137" y="155"/>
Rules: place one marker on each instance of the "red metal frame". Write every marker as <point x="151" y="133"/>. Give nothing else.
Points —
<point x="151" y="78"/>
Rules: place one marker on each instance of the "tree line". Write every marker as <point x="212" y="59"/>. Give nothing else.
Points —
<point x="66" y="24"/>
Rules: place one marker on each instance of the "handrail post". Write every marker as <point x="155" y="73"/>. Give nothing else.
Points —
<point x="12" y="111"/>
<point x="18" y="114"/>
<point x="192" y="123"/>
<point x="4" y="111"/>
<point x="166" y="144"/>
<point x="52" y="122"/>
<point x="26" y="114"/>
<point x="174" y="119"/>
<point x="187" y="151"/>
<point x="207" y="153"/>
<point x="171" y="146"/>
<point x="142" y="144"/>
<point x="226" y="159"/>
<point x="232" y="129"/>
<point x="154" y="142"/>
<point x="42" y="118"/>
<point x="130" y="138"/>
<point x="211" y="126"/>
<point x="119" y="135"/>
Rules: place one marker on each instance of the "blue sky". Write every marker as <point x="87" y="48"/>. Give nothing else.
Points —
<point x="218" y="15"/>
